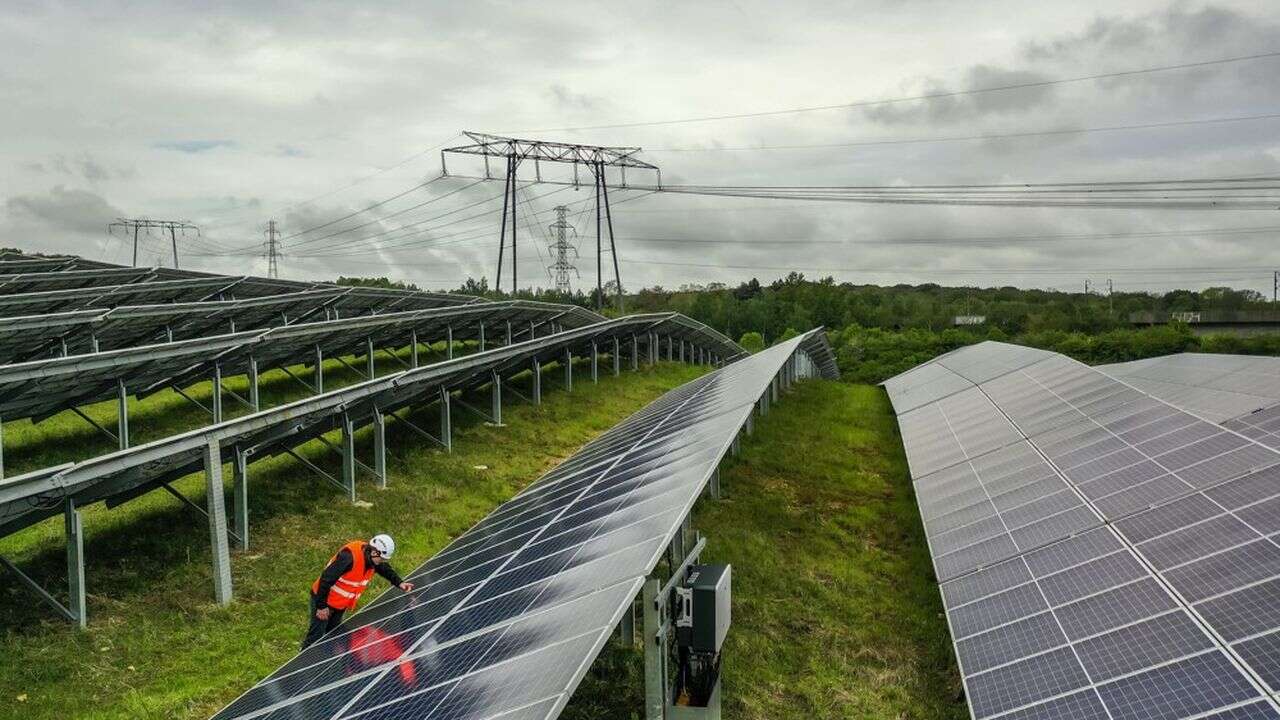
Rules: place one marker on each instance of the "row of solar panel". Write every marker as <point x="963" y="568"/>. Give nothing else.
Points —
<point x="506" y="620"/>
<point x="294" y="423"/>
<point x="1032" y="473"/>
<point x="40" y="388"/>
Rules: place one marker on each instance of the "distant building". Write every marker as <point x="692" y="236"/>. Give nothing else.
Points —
<point x="969" y="320"/>
<point x="1204" y="322"/>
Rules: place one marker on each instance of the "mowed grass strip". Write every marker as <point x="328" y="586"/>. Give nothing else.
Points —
<point x="835" y="611"/>
<point x="158" y="647"/>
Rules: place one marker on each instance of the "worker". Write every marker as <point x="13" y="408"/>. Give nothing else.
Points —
<point x="338" y="588"/>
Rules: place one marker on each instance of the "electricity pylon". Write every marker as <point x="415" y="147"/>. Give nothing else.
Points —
<point x="560" y="250"/>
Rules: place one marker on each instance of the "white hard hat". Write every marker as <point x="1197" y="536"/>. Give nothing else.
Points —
<point x="383" y="544"/>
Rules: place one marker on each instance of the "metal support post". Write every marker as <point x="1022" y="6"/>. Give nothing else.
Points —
<point x="617" y="356"/>
<point x="122" y="414"/>
<point x="635" y="352"/>
<point x="448" y="341"/>
<point x="255" y="397"/>
<point x="715" y="484"/>
<point x="735" y="448"/>
<point x="655" y="652"/>
<point x="670" y="355"/>
<point x="497" y="397"/>
<point x="682" y="351"/>
<point x="537" y="382"/>
<point x="751" y="424"/>
<point x="75" y="563"/>
<point x="773" y="389"/>
<point x="508" y="332"/>
<point x="481" y="337"/>
<point x="1" y="448"/>
<point x="217" y="522"/>
<point x="568" y="369"/>
<point x="595" y="362"/>
<point x="446" y="421"/>
<point x="349" y="456"/>
<point x="370" y="370"/>
<point x="531" y="333"/>
<point x="379" y="449"/>
<point x="217" y="393"/>
<point x="627" y="628"/>
<point x="413" y="348"/>
<point x="319" y="378"/>
<point x="240" y="497"/>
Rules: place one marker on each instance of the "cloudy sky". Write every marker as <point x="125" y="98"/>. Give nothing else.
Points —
<point x="306" y="112"/>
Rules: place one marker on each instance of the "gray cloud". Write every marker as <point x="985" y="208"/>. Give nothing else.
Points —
<point x="63" y="209"/>
<point x="193" y="146"/>
<point x="941" y="110"/>
<point x="313" y="111"/>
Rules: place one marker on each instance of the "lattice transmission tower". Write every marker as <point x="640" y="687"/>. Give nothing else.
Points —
<point x="273" y="250"/>
<point x="561" y="266"/>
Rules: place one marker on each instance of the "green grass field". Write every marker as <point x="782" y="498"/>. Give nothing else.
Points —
<point x="835" y="612"/>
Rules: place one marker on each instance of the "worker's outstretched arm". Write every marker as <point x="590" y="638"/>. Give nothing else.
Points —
<point x="393" y="577"/>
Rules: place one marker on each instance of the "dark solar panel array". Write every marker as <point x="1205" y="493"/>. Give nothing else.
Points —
<point x="1100" y="552"/>
<point x="506" y="619"/>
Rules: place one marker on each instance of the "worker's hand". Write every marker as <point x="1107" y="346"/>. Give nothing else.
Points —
<point x="406" y="586"/>
<point x="323" y="613"/>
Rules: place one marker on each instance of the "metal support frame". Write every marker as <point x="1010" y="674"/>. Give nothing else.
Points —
<point x="617" y="356"/>
<point x="482" y="337"/>
<point x="75" y="610"/>
<point x="448" y="342"/>
<point x="240" y="496"/>
<point x="122" y="414"/>
<point x="204" y="512"/>
<point x="315" y="468"/>
<point x="446" y="420"/>
<point x="379" y="449"/>
<point x="95" y="424"/>
<point x="416" y="428"/>
<point x="497" y="397"/>
<point x="568" y="369"/>
<point x="349" y="456"/>
<point x="670" y="355"/>
<point x="413" y="345"/>
<point x="255" y="397"/>
<point x="217" y="523"/>
<point x="714" y="485"/>
<point x="216" y="390"/>
<point x="319" y="377"/>
<point x="635" y="352"/>
<point x="351" y="367"/>
<point x="537" y="382"/>
<point x="508" y="333"/>
<point x="370" y="370"/>
<point x="595" y="362"/>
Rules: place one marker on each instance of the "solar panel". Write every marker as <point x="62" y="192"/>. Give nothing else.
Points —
<point x="507" y="618"/>
<point x="1111" y="558"/>
<point x="1241" y="392"/>
<point x="295" y="423"/>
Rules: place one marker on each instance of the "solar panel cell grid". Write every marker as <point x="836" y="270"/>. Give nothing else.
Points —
<point x="1119" y="633"/>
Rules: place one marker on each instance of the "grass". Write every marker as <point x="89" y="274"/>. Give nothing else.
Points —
<point x="835" y="612"/>
<point x="157" y="646"/>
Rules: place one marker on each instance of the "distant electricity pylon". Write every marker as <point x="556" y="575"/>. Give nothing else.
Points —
<point x="594" y="158"/>
<point x="560" y="250"/>
<point x="273" y="250"/>
<point x="136" y="224"/>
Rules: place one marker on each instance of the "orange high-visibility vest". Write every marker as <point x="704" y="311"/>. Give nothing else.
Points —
<point x="345" y="593"/>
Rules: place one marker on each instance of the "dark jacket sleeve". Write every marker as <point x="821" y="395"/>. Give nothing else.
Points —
<point x="341" y="564"/>
<point x="388" y="572"/>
